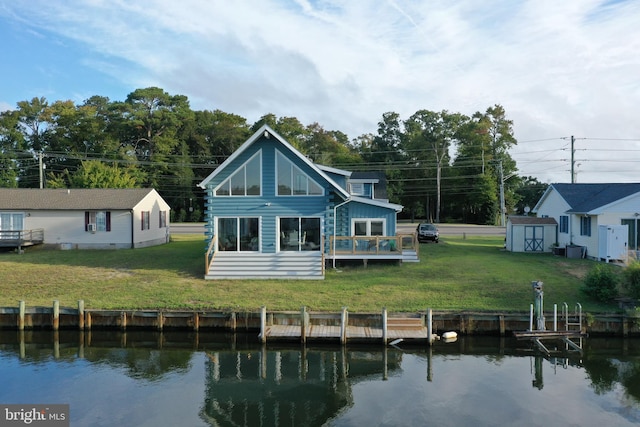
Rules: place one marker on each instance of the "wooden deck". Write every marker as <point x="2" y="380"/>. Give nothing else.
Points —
<point x="21" y="238"/>
<point x="410" y="328"/>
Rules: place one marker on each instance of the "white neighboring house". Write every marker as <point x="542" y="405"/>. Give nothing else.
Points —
<point x="83" y="218"/>
<point x="580" y="210"/>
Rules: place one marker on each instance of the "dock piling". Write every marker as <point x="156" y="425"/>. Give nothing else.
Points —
<point x="81" y="314"/>
<point x="263" y="324"/>
<point x="303" y="324"/>
<point x="343" y="325"/>
<point x="430" y="326"/>
<point x="56" y="315"/>
<point x="21" y="310"/>
<point x="384" y="326"/>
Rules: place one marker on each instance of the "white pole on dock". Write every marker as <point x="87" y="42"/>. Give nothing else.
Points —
<point x="531" y="317"/>
<point x="263" y="324"/>
<point x="343" y="326"/>
<point x="303" y="324"/>
<point x="430" y="326"/>
<point x="555" y="317"/>
<point x="384" y="326"/>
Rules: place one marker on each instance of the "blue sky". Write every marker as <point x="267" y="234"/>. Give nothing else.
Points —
<point x="559" y="68"/>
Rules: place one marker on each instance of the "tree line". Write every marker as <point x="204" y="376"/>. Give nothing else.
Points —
<point x="440" y="165"/>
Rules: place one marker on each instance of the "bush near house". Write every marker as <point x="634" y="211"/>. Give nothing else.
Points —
<point x="601" y="282"/>
<point x="631" y="282"/>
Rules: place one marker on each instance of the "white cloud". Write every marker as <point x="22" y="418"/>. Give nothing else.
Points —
<point x="558" y="68"/>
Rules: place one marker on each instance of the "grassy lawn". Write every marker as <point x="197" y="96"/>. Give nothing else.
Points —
<point x="456" y="274"/>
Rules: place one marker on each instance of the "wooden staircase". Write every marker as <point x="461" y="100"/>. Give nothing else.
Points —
<point x="306" y="265"/>
<point x="409" y="255"/>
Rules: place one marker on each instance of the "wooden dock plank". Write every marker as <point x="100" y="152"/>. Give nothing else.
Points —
<point x="405" y="328"/>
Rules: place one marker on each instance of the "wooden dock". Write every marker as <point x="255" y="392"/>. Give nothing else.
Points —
<point x="336" y="327"/>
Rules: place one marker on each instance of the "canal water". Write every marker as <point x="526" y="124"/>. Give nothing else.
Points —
<point x="188" y="379"/>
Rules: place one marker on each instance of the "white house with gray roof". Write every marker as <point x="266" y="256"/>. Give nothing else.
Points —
<point x="581" y="211"/>
<point x="83" y="218"/>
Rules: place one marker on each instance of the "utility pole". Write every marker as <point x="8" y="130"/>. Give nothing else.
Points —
<point x="573" y="174"/>
<point x="40" y="165"/>
<point x="502" y="207"/>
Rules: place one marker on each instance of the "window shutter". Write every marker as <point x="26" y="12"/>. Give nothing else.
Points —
<point x="86" y="221"/>
<point x="141" y="220"/>
<point x="108" y="221"/>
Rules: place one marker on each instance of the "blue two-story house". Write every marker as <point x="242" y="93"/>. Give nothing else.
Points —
<point x="273" y="213"/>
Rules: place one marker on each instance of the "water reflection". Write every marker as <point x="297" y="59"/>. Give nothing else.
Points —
<point x="232" y="380"/>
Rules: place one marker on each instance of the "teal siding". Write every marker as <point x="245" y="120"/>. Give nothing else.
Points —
<point x="360" y="210"/>
<point x="341" y="180"/>
<point x="268" y="207"/>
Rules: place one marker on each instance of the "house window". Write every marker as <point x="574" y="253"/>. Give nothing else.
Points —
<point x="299" y="234"/>
<point x="245" y="181"/>
<point x="238" y="234"/>
<point x="292" y="181"/>
<point x="564" y="224"/>
<point x="145" y="220"/>
<point x="97" y="221"/>
<point x="162" y="219"/>
<point x="368" y="227"/>
<point x="357" y="189"/>
<point x="585" y="226"/>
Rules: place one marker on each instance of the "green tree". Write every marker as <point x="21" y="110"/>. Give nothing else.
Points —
<point x="95" y="174"/>
<point x="528" y="192"/>
<point x="152" y="119"/>
<point x="430" y="136"/>
<point x="12" y="144"/>
<point x="384" y="153"/>
<point x="33" y="118"/>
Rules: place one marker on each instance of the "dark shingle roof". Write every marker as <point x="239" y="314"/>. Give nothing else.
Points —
<point x="587" y="197"/>
<point x="71" y="199"/>
<point x="532" y="220"/>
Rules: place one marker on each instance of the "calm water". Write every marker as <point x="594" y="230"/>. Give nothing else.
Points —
<point x="180" y="379"/>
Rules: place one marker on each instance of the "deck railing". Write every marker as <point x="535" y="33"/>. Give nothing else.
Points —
<point x="210" y="254"/>
<point x="371" y="245"/>
<point x="19" y="238"/>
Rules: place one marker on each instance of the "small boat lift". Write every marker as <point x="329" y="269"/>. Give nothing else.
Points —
<point x="572" y="335"/>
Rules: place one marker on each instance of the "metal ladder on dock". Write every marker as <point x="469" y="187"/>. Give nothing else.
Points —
<point x="573" y="322"/>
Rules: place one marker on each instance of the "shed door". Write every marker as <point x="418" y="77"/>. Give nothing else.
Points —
<point x="533" y="238"/>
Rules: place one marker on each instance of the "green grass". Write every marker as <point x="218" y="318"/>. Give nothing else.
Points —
<point x="472" y="274"/>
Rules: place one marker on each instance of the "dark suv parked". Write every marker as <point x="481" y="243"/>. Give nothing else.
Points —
<point x="427" y="232"/>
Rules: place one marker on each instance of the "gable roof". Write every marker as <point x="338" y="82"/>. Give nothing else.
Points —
<point x="584" y="198"/>
<point x="267" y="132"/>
<point x="334" y="170"/>
<point x="72" y="199"/>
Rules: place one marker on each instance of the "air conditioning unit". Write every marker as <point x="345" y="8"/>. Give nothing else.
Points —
<point x="91" y="227"/>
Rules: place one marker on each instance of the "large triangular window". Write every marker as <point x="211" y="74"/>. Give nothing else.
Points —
<point x="292" y="181"/>
<point x="246" y="181"/>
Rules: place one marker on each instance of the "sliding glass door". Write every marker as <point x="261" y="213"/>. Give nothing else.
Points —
<point x="299" y="234"/>
<point x="238" y="234"/>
